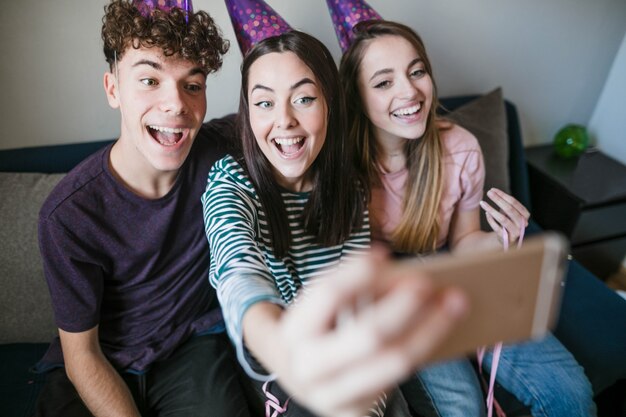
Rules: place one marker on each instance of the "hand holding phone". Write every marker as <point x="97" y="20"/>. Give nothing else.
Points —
<point x="513" y="295"/>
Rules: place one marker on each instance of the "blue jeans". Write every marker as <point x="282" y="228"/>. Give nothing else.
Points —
<point x="542" y="374"/>
<point x="447" y="389"/>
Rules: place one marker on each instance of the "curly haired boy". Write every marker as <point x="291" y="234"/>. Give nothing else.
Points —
<point x="122" y="239"/>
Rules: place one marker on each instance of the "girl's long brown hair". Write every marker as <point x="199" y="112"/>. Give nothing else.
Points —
<point x="419" y="227"/>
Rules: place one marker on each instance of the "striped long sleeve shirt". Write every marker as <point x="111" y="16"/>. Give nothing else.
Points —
<point x="244" y="270"/>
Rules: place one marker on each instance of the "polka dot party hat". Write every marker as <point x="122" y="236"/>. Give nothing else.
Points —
<point x="346" y="14"/>
<point x="253" y="21"/>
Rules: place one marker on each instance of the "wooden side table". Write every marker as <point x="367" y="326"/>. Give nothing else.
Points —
<point x="584" y="198"/>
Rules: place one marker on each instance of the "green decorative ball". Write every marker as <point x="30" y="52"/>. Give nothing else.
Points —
<point x="571" y="141"/>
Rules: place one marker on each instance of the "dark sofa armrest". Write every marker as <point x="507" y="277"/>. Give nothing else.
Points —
<point x="19" y="387"/>
<point x="592" y="324"/>
<point x="47" y="159"/>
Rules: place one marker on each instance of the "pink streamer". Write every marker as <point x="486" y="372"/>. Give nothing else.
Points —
<point x="497" y="350"/>
<point x="272" y="403"/>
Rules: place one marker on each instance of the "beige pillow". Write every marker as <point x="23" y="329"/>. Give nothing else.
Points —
<point x="485" y="117"/>
<point x="25" y="308"/>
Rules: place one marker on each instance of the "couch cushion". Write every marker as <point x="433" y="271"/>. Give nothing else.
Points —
<point x="25" y="308"/>
<point x="485" y="117"/>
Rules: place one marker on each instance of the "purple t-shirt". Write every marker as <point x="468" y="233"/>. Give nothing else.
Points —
<point x="136" y="267"/>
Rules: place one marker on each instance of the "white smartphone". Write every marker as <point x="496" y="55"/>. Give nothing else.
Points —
<point x="514" y="295"/>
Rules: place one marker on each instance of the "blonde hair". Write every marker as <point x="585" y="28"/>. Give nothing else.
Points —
<point x="419" y="226"/>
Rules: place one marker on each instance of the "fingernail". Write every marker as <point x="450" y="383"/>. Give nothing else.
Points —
<point x="456" y="303"/>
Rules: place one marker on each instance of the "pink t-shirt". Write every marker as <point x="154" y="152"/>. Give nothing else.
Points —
<point x="463" y="176"/>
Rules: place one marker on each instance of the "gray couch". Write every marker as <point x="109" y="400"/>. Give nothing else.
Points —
<point x="592" y="324"/>
<point x="26" y="321"/>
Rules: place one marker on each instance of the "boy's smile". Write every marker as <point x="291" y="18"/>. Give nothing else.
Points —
<point x="166" y="136"/>
<point x="162" y="102"/>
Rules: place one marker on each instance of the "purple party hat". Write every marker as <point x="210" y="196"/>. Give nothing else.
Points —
<point x="146" y="6"/>
<point x="346" y="14"/>
<point x="253" y="21"/>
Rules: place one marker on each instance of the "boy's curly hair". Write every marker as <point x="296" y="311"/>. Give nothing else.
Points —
<point x="197" y="39"/>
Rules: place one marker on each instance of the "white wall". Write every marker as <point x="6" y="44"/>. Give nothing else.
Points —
<point x="551" y="57"/>
<point x="608" y="122"/>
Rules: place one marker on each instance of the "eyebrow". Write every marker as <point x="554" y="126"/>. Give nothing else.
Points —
<point x="149" y="63"/>
<point x="157" y="66"/>
<point x="303" y="81"/>
<point x="389" y="70"/>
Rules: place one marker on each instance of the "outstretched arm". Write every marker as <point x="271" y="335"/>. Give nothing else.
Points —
<point x="99" y="385"/>
<point x="337" y="366"/>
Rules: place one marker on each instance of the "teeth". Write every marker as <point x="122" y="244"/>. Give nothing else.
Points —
<point x="288" y="141"/>
<point x="407" y="111"/>
<point x="167" y="129"/>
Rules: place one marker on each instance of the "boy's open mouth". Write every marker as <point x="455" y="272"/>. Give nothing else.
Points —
<point x="166" y="136"/>
<point x="289" y="146"/>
